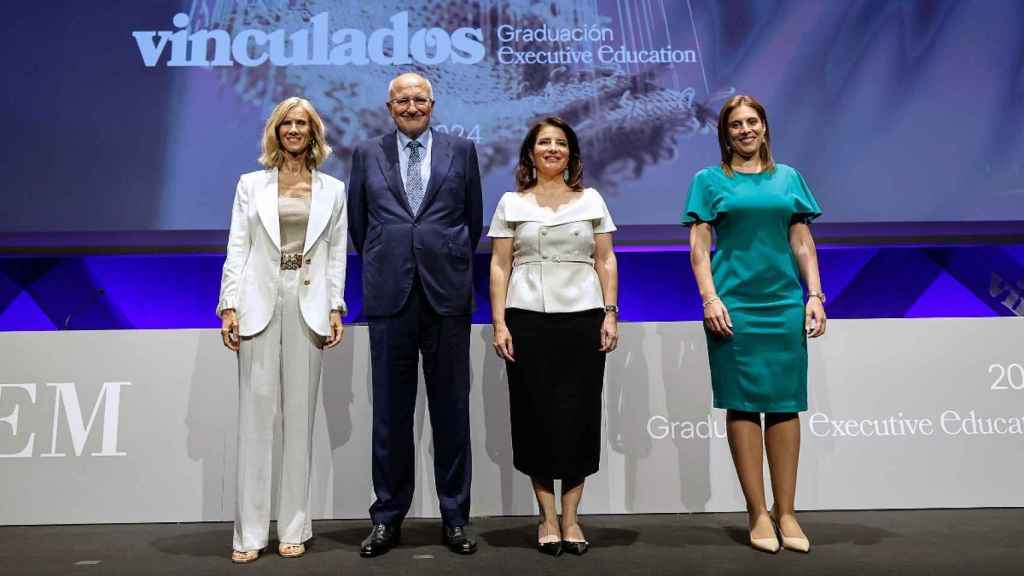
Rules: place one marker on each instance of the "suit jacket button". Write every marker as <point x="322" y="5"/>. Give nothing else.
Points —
<point x="306" y="282"/>
<point x="309" y="260"/>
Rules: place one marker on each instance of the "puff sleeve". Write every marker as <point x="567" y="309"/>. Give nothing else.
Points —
<point x="702" y="201"/>
<point x="805" y="207"/>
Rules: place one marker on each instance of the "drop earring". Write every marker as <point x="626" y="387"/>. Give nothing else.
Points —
<point x="565" y="174"/>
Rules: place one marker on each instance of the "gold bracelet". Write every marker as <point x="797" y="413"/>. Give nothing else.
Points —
<point x="710" y="300"/>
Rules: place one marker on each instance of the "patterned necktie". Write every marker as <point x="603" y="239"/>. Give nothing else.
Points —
<point x="413" y="178"/>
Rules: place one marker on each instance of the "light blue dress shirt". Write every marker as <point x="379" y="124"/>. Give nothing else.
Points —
<point x="427" y="140"/>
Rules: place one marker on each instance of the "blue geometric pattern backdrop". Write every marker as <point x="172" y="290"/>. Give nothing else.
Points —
<point x="655" y="284"/>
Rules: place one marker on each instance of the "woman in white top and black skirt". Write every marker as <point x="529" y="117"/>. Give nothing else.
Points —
<point x="554" y="284"/>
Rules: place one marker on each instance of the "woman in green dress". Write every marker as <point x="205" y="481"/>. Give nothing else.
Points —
<point x="755" y="315"/>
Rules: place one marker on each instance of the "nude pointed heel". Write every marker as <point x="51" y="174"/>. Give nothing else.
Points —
<point x="769" y="545"/>
<point x="794" y="543"/>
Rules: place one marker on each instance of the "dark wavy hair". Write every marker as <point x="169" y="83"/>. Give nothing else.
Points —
<point x="526" y="173"/>
<point x="723" y="132"/>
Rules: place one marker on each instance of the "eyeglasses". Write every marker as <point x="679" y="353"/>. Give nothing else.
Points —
<point x="419" y="101"/>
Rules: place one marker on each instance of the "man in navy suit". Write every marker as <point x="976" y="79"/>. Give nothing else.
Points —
<point x="415" y="215"/>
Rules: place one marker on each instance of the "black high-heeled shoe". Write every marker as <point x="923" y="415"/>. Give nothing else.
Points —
<point x="550" y="548"/>
<point x="578" y="548"/>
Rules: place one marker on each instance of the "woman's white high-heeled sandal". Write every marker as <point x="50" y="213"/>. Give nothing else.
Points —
<point x="291" y="550"/>
<point x="244" y="556"/>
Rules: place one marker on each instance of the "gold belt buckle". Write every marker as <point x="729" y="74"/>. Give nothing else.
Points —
<point x="291" y="261"/>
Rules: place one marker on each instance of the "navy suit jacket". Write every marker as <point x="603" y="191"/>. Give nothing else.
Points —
<point x="437" y="243"/>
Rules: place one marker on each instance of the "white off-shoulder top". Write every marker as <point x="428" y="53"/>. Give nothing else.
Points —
<point x="553" y="251"/>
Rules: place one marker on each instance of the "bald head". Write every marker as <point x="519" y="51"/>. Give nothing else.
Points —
<point x="410" y="102"/>
<point x="398" y="83"/>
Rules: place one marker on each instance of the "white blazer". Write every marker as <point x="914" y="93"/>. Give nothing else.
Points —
<point x="253" y="264"/>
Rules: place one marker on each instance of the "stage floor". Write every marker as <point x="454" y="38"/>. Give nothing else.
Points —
<point x="932" y="542"/>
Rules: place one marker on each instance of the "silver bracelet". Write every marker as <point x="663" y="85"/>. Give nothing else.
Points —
<point x="711" y="300"/>
<point x="819" y="295"/>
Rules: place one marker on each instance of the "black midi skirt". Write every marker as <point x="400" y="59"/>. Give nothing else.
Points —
<point x="554" y="390"/>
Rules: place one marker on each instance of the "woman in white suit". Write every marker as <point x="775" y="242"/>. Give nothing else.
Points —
<point x="281" y="303"/>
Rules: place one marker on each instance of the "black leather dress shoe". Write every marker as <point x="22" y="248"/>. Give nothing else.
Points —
<point x="381" y="539"/>
<point x="457" y="540"/>
<point x="577" y="548"/>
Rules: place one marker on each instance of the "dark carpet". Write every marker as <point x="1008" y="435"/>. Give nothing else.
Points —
<point x="926" y="542"/>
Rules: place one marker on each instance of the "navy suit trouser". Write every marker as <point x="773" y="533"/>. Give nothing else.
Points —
<point x="396" y="343"/>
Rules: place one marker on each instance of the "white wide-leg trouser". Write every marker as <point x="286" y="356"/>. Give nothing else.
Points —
<point x="278" y="373"/>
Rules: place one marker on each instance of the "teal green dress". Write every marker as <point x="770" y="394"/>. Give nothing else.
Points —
<point x="763" y="366"/>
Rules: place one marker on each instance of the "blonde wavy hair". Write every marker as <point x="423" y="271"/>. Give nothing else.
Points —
<point x="272" y="153"/>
